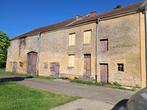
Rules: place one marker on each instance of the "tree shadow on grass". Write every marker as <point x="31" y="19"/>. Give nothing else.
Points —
<point x="17" y="78"/>
<point x="121" y="105"/>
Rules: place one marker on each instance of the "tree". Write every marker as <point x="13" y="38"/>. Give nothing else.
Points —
<point x="4" y="43"/>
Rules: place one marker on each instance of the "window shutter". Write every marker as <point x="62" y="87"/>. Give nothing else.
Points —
<point x="72" y="38"/>
<point x="104" y="45"/>
<point x="71" y="60"/>
<point x="87" y="37"/>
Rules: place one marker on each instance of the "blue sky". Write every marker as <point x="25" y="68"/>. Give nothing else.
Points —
<point x="20" y="16"/>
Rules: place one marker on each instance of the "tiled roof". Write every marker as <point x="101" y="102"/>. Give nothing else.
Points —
<point x="83" y="19"/>
<point x="46" y="28"/>
<point x="122" y="9"/>
<point x="89" y="18"/>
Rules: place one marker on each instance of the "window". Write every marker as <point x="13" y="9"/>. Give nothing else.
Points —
<point x="72" y="39"/>
<point x="71" y="60"/>
<point x="104" y="45"/>
<point x="21" y="64"/>
<point x="45" y="65"/>
<point x="120" y="67"/>
<point x="87" y="37"/>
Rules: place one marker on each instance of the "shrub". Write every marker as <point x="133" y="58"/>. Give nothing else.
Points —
<point x="2" y="64"/>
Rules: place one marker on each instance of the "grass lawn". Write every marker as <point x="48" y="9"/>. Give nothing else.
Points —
<point x="17" y="97"/>
<point x="2" y="71"/>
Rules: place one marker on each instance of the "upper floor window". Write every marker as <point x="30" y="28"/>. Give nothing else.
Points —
<point x="104" y="45"/>
<point x="72" y="39"/>
<point x="120" y="67"/>
<point x="71" y="60"/>
<point x="87" y="36"/>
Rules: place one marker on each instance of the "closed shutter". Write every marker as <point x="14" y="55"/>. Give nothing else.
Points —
<point x="104" y="45"/>
<point x="87" y="37"/>
<point x="72" y="39"/>
<point x="71" y="60"/>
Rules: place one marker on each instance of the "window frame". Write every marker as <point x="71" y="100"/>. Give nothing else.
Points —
<point x="71" y="65"/>
<point x="69" y="42"/>
<point x="90" y="37"/>
<point x="120" y="67"/>
<point x="101" y="40"/>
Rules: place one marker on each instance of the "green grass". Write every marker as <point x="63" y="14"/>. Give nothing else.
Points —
<point x="17" y="97"/>
<point x="102" y="84"/>
<point x="3" y="71"/>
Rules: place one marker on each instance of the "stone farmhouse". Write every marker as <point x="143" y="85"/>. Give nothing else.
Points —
<point x="108" y="47"/>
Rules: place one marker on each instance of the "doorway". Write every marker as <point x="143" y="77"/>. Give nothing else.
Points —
<point x="14" y="67"/>
<point x="32" y="63"/>
<point x="87" y="65"/>
<point x="104" y="72"/>
<point x="54" y="68"/>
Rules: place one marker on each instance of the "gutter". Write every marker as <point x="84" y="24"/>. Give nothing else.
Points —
<point x="116" y="14"/>
<point x="96" y="52"/>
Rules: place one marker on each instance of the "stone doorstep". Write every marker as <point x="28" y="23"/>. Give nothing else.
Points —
<point x="85" y="104"/>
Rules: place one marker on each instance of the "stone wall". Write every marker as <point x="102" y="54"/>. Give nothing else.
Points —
<point x="123" y="34"/>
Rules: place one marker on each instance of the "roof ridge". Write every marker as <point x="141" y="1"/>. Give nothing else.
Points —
<point x="82" y="19"/>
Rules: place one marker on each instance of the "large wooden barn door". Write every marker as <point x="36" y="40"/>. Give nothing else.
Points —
<point x="104" y="73"/>
<point x="32" y="63"/>
<point x="87" y="65"/>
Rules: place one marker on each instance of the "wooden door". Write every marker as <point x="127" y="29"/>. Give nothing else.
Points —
<point x="104" y="73"/>
<point x="54" y="68"/>
<point x="14" y="67"/>
<point x="32" y="63"/>
<point x="87" y="65"/>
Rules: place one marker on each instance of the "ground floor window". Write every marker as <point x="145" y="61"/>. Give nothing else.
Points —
<point x="120" y="67"/>
<point x="71" y="60"/>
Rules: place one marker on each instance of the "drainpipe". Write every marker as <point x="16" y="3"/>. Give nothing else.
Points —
<point x="144" y="8"/>
<point x="146" y="39"/>
<point x="96" y="51"/>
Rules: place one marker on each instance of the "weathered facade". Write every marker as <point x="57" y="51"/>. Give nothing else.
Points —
<point x="108" y="46"/>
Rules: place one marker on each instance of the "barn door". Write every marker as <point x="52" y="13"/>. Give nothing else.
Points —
<point x="14" y="67"/>
<point x="104" y="73"/>
<point x="54" y="68"/>
<point x="32" y="63"/>
<point x="87" y="65"/>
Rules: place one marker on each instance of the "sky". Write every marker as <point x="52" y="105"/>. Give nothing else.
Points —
<point x="20" y="16"/>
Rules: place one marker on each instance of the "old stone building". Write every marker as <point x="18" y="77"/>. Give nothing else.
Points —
<point x="109" y="47"/>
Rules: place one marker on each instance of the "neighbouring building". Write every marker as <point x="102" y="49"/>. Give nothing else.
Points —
<point x="109" y="47"/>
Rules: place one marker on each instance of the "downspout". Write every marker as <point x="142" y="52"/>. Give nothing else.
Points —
<point x="144" y="9"/>
<point x="96" y="51"/>
<point x="146" y="40"/>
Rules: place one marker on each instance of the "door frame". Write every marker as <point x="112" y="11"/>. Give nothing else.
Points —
<point x="28" y="62"/>
<point x="107" y="71"/>
<point x="55" y="63"/>
<point x="14" y="66"/>
<point x="90" y="64"/>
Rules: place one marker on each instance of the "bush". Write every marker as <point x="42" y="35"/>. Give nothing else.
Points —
<point x="3" y="64"/>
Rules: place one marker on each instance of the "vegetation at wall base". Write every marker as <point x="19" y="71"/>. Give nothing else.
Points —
<point x="14" y="96"/>
<point x="4" y="72"/>
<point x="102" y="84"/>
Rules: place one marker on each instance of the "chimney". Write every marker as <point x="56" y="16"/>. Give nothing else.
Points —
<point x="78" y="17"/>
<point x="93" y="13"/>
